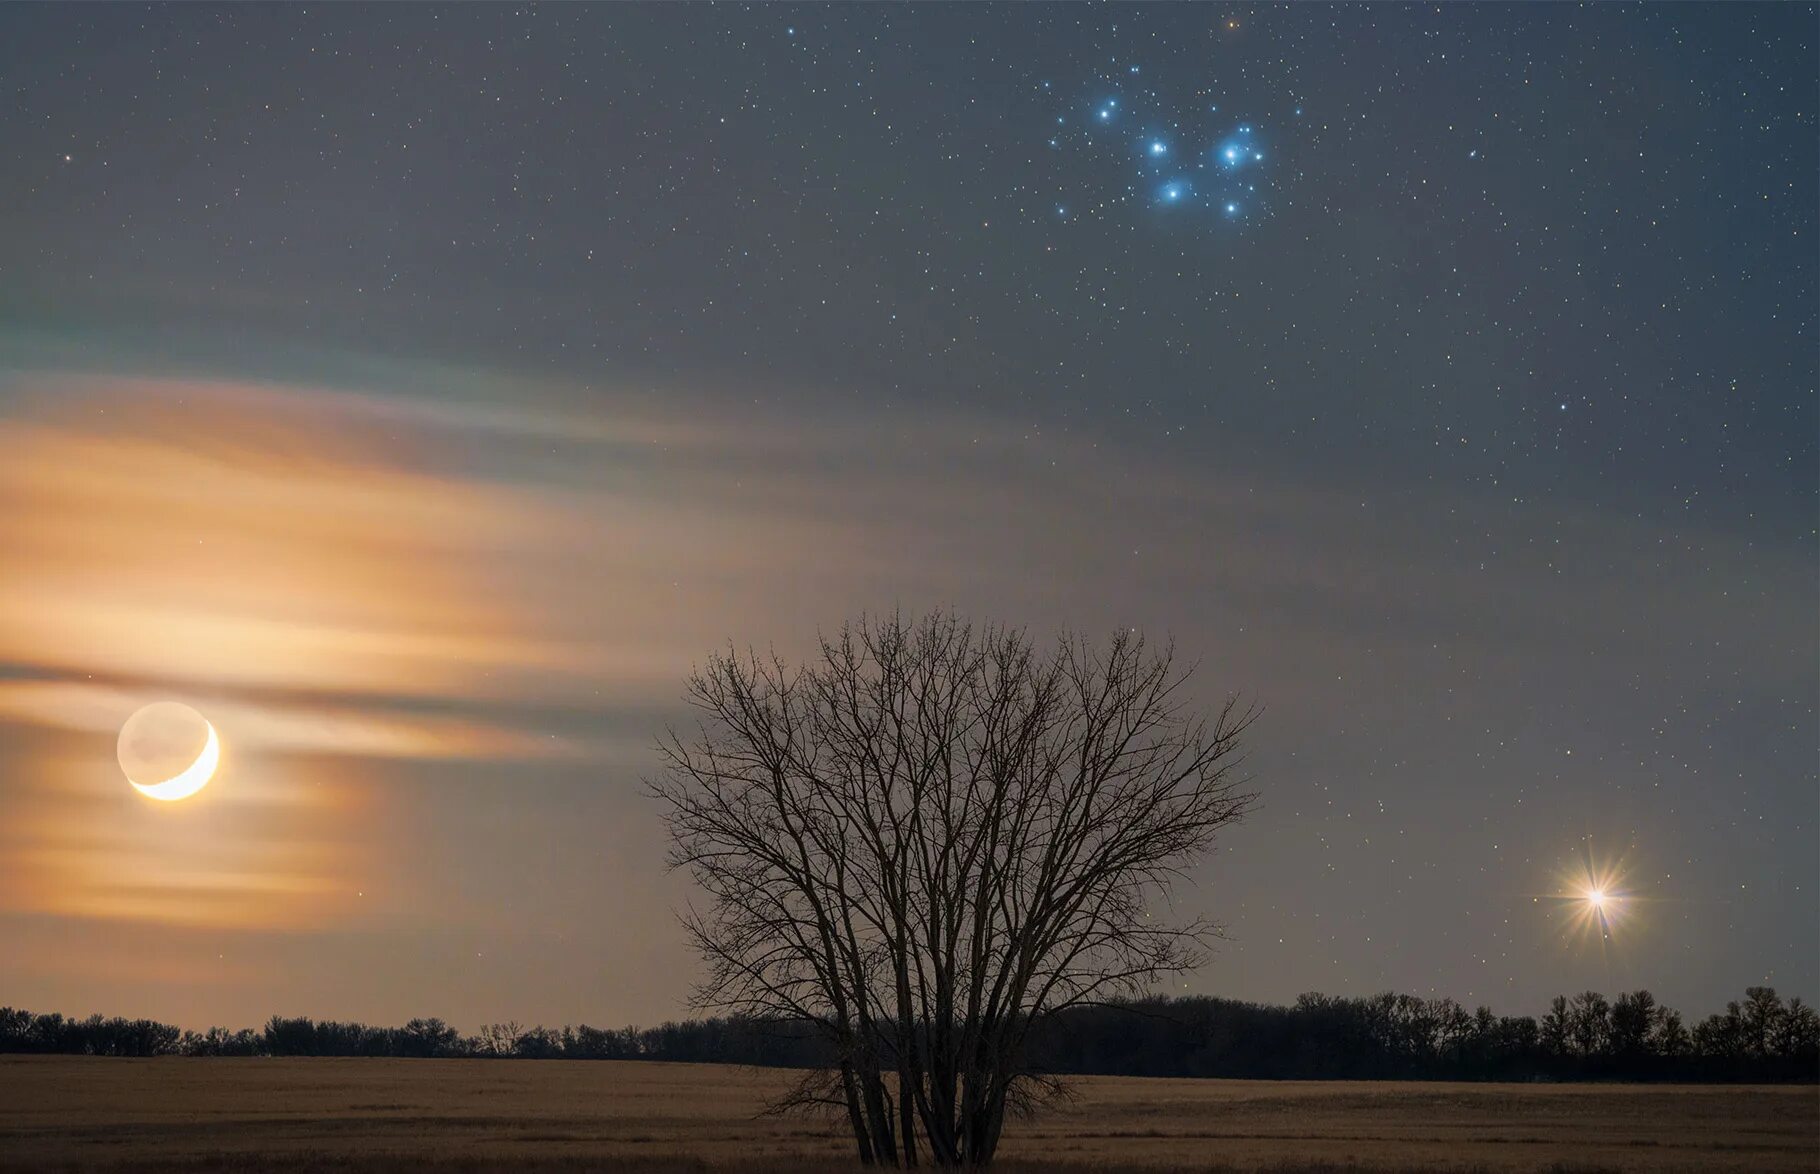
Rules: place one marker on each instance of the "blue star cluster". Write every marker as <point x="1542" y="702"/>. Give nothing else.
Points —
<point x="1185" y="155"/>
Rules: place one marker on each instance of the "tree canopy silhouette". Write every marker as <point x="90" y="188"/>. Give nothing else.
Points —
<point x="932" y="838"/>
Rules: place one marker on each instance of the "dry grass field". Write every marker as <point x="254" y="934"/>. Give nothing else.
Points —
<point x="71" y="1113"/>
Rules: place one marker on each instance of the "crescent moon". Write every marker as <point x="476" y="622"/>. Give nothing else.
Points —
<point x="192" y="778"/>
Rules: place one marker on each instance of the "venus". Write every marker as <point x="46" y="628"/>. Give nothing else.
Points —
<point x="168" y="751"/>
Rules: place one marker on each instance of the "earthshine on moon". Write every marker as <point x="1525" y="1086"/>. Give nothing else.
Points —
<point x="168" y="751"/>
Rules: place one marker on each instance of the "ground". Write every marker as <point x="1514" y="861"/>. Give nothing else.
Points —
<point x="70" y="1113"/>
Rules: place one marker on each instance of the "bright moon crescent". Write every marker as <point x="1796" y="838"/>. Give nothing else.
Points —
<point x="191" y="778"/>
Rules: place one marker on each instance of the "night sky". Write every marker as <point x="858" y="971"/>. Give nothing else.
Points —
<point x="420" y="391"/>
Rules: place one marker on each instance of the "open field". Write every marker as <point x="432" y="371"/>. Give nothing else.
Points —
<point x="358" y="1115"/>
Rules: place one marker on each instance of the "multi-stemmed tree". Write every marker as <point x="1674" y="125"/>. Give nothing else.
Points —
<point x="931" y="837"/>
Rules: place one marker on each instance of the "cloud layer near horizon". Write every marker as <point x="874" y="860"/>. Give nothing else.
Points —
<point x="372" y="593"/>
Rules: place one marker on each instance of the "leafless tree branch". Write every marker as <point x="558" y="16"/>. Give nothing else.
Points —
<point x="932" y="837"/>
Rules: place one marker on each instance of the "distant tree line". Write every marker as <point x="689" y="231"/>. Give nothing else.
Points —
<point x="1384" y="1037"/>
<point x="1401" y="1037"/>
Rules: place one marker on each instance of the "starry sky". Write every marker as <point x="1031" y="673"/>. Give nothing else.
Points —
<point x="420" y="391"/>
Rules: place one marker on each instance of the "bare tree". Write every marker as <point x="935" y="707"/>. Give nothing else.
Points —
<point x="499" y="1039"/>
<point x="930" y="838"/>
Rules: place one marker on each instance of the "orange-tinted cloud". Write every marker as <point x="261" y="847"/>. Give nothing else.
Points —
<point x="235" y="547"/>
<point x="221" y="534"/>
<point x="268" y="844"/>
<point x="438" y="636"/>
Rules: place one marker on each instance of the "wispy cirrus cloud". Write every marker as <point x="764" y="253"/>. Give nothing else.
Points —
<point x="438" y="635"/>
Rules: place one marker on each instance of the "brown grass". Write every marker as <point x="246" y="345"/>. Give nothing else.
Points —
<point x="346" y="1116"/>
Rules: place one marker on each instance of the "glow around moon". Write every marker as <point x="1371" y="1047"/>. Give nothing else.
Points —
<point x="168" y="751"/>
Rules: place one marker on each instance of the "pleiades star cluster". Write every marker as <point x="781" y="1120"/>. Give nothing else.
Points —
<point x="1181" y="154"/>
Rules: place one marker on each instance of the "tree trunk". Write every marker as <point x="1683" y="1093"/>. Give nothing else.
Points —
<point x="854" y="1117"/>
<point x="991" y="1126"/>
<point x="906" y="1111"/>
<point x="878" y="1114"/>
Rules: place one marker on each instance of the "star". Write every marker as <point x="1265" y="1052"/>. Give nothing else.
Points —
<point x="1237" y="150"/>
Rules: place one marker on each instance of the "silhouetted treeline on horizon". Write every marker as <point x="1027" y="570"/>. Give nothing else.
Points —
<point x="1384" y="1037"/>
